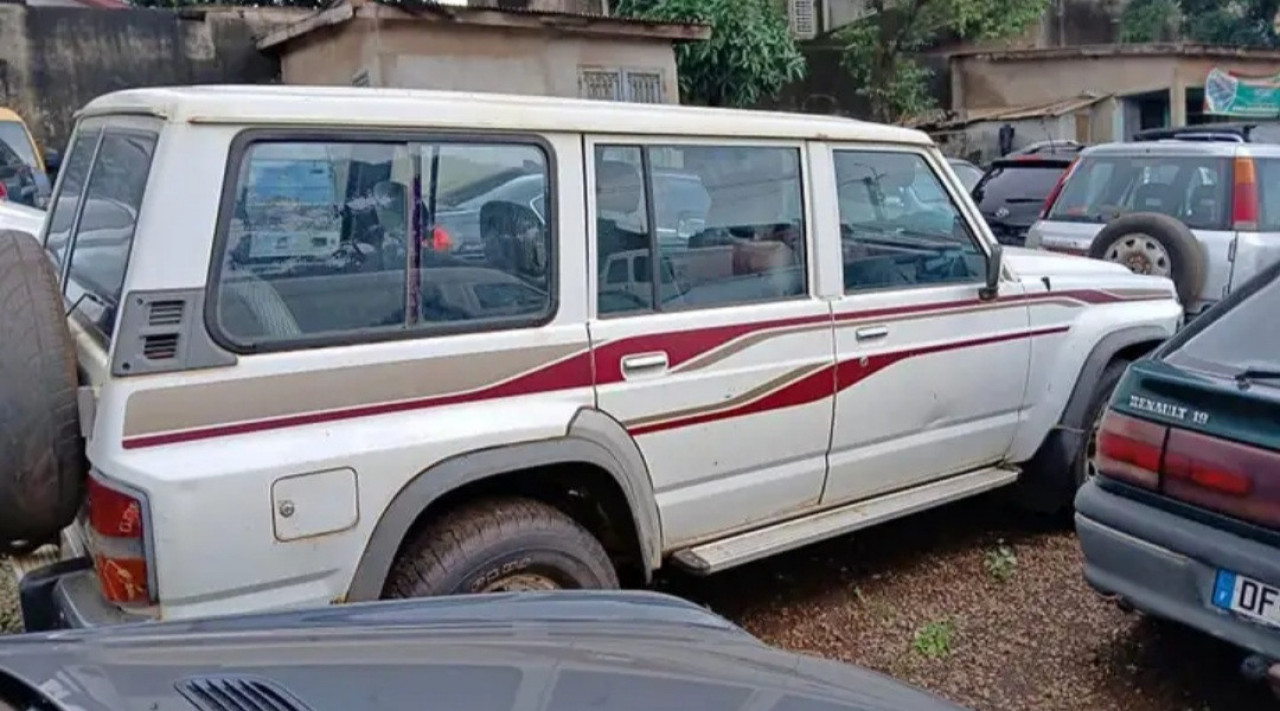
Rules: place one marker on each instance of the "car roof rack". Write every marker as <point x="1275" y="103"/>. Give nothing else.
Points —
<point x="1224" y="132"/>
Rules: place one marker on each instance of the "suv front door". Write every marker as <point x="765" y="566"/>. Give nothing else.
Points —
<point x="930" y="379"/>
<point x="722" y="372"/>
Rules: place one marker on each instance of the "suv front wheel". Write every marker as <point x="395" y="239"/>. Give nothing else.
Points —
<point x="500" y="545"/>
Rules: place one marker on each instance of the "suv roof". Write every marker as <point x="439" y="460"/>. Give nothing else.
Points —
<point x="1048" y="148"/>
<point x="1241" y="132"/>
<point x="249" y="105"/>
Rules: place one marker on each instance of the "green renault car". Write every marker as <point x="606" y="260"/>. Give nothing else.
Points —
<point x="1181" y="516"/>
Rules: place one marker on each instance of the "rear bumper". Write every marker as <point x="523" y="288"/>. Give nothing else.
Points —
<point x="65" y="595"/>
<point x="1165" y="565"/>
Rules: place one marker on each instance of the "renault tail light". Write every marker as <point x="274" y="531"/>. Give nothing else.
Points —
<point x="118" y="543"/>
<point x="1235" y="479"/>
<point x="1232" y="478"/>
<point x="1130" y="449"/>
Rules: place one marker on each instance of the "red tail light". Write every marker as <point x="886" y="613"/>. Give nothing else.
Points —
<point x="1130" y="449"/>
<point x="1057" y="189"/>
<point x="1215" y="474"/>
<point x="1244" y="196"/>
<point x="1232" y="478"/>
<point x="4" y="192"/>
<point x="118" y="544"/>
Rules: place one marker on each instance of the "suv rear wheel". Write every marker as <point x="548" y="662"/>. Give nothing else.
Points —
<point x="500" y="545"/>
<point x="42" y="462"/>
<point x="1151" y="243"/>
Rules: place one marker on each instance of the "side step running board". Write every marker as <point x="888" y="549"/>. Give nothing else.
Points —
<point x="726" y="553"/>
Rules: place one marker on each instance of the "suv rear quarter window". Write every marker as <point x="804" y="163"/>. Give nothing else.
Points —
<point x="1193" y="189"/>
<point x="94" y="216"/>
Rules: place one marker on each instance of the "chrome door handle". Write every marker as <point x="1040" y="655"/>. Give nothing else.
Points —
<point x="871" y="333"/>
<point x="644" y="362"/>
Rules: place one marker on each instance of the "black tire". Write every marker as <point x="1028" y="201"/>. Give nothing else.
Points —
<point x="1050" y="480"/>
<point x="1187" y="261"/>
<point x="42" y="462"/>
<point x="500" y="544"/>
<point x="1098" y="401"/>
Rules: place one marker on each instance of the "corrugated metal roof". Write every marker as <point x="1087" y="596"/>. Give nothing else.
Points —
<point x="1030" y="111"/>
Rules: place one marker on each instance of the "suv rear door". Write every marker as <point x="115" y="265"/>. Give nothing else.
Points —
<point x="1191" y="182"/>
<point x="722" y="372"/>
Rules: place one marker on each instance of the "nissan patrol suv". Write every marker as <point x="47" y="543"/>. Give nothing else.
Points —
<point x="246" y="369"/>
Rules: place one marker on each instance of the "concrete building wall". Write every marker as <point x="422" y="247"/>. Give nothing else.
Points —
<point x="54" y="60"/>
<point x="982" y="81"/>
<point x="422" y="55"/>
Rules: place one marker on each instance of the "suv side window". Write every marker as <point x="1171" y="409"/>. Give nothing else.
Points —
<point x="719" y="226"/>
<point x="327" y="242"/>
<point x="891" y="236"/>
<point x="98" y="222"/>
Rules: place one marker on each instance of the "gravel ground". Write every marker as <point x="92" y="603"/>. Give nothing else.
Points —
<point x="984" y="607"/>
<point x="975" y="603"/>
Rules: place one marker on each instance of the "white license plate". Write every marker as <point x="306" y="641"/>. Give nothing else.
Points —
<point x="1247" y="597"/>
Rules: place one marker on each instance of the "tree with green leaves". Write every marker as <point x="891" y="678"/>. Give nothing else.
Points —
<point x="750" y="57"/>
<point x="880" y="50"/>
<point x="1235" y="23"/>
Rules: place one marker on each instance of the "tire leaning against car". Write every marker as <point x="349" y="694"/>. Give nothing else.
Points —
<point x="1187" y="260"/>
<point x="42" y="461"/>
<point x="500" y="545"/>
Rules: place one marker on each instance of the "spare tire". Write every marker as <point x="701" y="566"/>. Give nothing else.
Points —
<point x="42" y="460"/>
<point x="1151" y="243"/>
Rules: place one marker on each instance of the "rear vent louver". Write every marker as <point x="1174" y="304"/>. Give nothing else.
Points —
<point x="165" y="313"/>
<point x="160" y="347"/>
<point x="237" y="694"/>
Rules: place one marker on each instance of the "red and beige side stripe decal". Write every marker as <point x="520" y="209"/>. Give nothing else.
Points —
<point x="816" y="384"/>
<point x="190" y="413"/>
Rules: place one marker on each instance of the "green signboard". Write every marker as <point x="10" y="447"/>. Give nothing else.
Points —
<point x="1226" y="94"/>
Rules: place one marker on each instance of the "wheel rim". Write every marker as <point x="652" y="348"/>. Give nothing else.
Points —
<point x="1091" y="447"/>
<point x="1142" y="254"/>
<point x="522" y="582"/>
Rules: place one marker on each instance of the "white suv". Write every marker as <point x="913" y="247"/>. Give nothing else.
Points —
<point x="293" y="391"/>
<point x="1202" y="210"/>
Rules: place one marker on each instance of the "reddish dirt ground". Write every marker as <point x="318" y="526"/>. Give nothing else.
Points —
<point x="997" y="599"/>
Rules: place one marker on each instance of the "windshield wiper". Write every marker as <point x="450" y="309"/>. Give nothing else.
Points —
<point x="1246" y="377"/>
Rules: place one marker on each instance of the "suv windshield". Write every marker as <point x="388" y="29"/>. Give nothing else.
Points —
<point x="1014" y="183"/>
<point x="1193" y="189"/>
<point x="1233" y="342"/>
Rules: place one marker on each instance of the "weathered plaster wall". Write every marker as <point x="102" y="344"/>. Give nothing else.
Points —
<point x="418" y="55"/>
<point x="53" y="60"/>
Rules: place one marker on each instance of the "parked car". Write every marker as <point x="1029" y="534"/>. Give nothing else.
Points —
<point x="1203" y="213"/>
<point x="562" y="651"/>
<point x="359" y="421"/>
<point x="24" y="171"/>
<point x="1013" y="191"/>
<point x="1048" y="148"/>
<point x="968" y="173"/>
<point x="1183" y="518"/>
<point x="19" y="217"/>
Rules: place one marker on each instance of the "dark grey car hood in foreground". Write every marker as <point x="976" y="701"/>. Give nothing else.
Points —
<point x="565" y="651"/>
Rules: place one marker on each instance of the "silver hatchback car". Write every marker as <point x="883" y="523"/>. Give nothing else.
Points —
<point x="1205" y="213"/>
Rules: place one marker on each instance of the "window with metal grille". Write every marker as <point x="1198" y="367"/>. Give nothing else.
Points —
<point x="803" y="17"/>
<point x="600" y="84"/>
<point x="645" y="87"/>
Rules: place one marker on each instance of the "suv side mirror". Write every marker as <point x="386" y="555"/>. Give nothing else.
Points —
<point x="52" y="162"/>
<point x="991" y="289"/>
